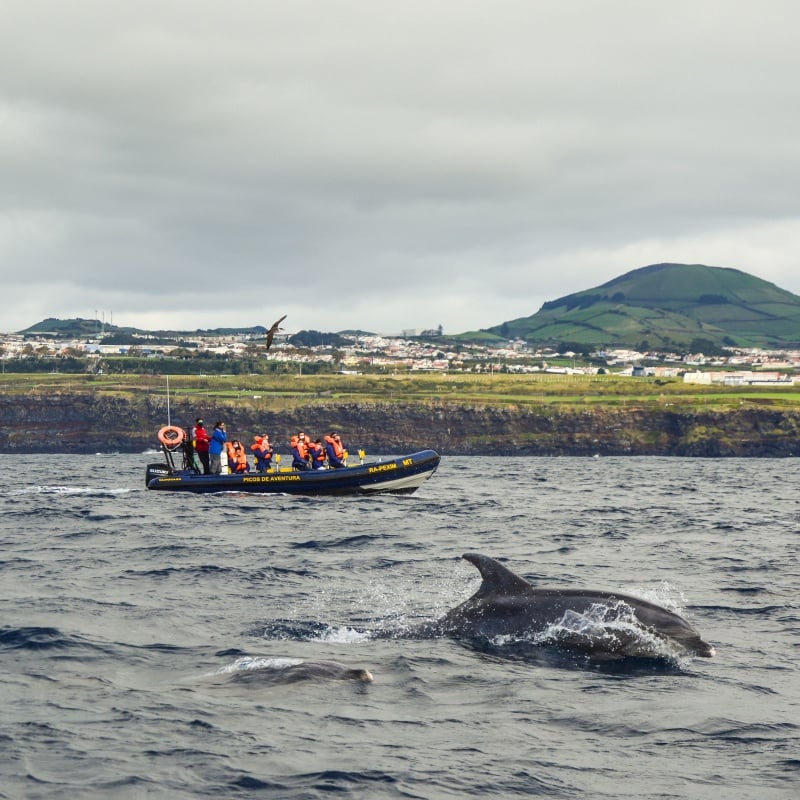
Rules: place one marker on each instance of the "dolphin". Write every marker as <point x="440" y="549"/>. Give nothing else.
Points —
<point x="507" y="605"/>
<point x="285" y="671"/>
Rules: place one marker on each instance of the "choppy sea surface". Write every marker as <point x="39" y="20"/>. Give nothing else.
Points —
<point x="150" y="643"/>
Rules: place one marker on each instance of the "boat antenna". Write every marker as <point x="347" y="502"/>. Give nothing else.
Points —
<point x="169" y="421"/>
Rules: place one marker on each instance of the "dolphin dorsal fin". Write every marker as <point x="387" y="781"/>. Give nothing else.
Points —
<point x="497" y="579"/>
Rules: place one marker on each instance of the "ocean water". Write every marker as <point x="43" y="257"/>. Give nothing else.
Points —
<point x="158" y="645"/>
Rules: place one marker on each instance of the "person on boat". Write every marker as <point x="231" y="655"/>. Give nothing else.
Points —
<point x="335" y="451"/>
<point x="216" y="447"/>
<point x="299" y="451"/>
<point x="229" y="457"/>
<point x="262" y="450"/>
<point x="201" y="441"/>
<point x="237" y="457"/>
<point x="316" y="454"/>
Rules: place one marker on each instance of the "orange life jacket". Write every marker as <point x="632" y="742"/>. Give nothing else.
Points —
<point x="317" y="454"/>
<point x="237" y="457"/>
<point x="263" y="447"/>
<point x="336" y="444"/>
<point x="301" y="446"/>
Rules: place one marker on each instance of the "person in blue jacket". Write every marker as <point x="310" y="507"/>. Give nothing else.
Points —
<point x="216" y="447"/>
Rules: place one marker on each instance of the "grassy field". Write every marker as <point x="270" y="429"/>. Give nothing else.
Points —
<point x="286" y="392"/>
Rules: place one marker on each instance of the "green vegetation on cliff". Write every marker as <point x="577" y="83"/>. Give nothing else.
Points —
<point x="455" y="413"/>
<point x="292" y="391"/>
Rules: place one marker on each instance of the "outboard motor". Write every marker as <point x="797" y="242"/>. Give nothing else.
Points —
<point x="156" y="471"/>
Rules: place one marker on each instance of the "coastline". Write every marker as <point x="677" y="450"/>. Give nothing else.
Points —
<point x="83" y="423"/>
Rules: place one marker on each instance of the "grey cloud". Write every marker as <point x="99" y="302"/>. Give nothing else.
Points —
<point x="420" y="160"/>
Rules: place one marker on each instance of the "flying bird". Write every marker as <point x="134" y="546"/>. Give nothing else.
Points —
<point x="273" y="330"/>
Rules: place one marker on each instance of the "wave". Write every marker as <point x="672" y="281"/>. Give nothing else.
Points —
<point x="43" y="638"/>
<point x="294" y="630"/>
<point x="195" y="570"/>
<point x="346" y="541"/>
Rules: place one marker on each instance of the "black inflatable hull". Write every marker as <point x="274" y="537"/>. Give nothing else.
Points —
<point x="402" y="475"/>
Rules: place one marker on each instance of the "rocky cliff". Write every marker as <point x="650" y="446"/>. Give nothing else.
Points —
<point x="89" y="423"/>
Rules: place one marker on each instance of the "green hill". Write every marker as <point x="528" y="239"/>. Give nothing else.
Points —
<point x="73" y="328"/>
<point x="78" y="328"/>
<point x="667" y="306"/>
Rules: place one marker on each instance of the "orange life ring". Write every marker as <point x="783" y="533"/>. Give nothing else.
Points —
<point x="171" y="436"/>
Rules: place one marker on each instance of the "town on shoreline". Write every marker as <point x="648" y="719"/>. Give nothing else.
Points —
<point x="356" y="353"/>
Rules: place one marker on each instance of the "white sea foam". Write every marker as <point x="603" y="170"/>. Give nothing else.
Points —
<point x="612" y="627"/>
<point x="665" y="595"/>
<point x="69" y="490"/>
<point x="344" y="635"/>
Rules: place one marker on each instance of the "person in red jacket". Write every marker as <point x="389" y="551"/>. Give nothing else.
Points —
<point x="201" y="441"/>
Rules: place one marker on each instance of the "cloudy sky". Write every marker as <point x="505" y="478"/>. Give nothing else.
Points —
<point x="385" y="165"/>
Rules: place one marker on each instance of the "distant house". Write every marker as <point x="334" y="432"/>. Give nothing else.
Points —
<point x="744" y="378"/>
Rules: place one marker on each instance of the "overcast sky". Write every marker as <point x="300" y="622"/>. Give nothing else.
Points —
<point x="385" y="165"/>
